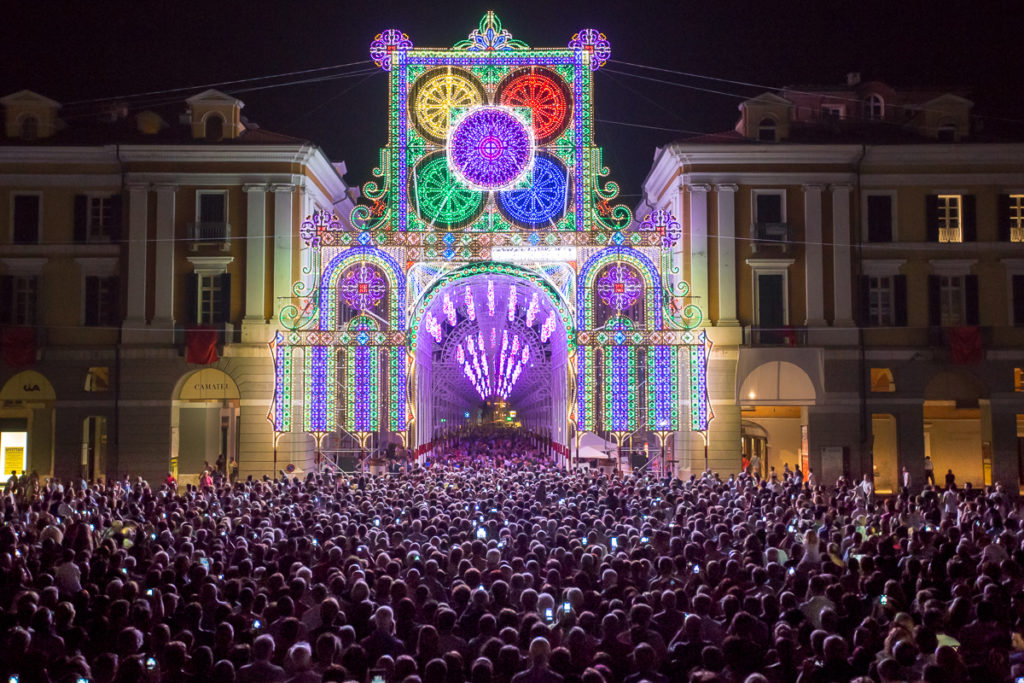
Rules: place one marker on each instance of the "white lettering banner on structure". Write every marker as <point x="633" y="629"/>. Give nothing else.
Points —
<point x="523" y="254"/>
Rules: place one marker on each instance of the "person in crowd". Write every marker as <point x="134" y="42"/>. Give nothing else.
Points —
<point x="488" y="563"/>
<point x="929" y="470"/>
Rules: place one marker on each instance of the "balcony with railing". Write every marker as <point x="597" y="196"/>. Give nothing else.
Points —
<point x="754" y="335"/>
<point x="770" y="235"/>
<point x="950" y="235"/>
<point x="209" y="232"/>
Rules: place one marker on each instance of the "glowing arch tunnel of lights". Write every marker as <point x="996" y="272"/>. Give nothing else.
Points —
<point x="492" y="350"/>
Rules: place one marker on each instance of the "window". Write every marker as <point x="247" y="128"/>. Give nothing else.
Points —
<point x="209" y="299"/>
<point x="1016" y="217"/>
<point x="879" y="215"/>
<point x="949" y="218"/>
<point x="211" y="216"/>
<point x="875" y="107"/>
<point x="883" y="293"/>
<point x="214" y="128"/>
<point x="952" y="293"/>
<point x="766" y="130"/>
<point x="947" y="132"/>
<point x="18" y="295"/>
<point x="97" y="218"/>
<point x="98" y="379"/>
<point x="882" y="380"/>
<point x="833" y="112"/>
<point x="26" y="218"/>
<point x="1018" y="299"/>
<point x="29" y="128"/>
<point x="209" y="290"/>
<point x="951" y="300"/>
<point x="771" y="299"/>
<point x="212" y="207"/>
<point x="102" y="301"/>
<point x="880" y="301"/>
<point x="768" y="207"/>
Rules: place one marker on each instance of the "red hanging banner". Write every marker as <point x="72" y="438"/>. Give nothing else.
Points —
<point x="19" y="346"/>
<point x="964" y="345"/>
<point x="201" y="345"/>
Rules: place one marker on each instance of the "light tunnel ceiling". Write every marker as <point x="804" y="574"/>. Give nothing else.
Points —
<point x="492" y="336"/>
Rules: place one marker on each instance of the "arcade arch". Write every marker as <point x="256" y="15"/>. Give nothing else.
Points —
<point x="204" y="421"/>
<point x="492" y="344"/>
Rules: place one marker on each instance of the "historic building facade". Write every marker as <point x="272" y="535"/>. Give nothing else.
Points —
<point x="859" y="253"/>
<point x="139" y="276"/>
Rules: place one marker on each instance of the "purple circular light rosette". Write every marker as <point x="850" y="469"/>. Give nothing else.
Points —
<point x="490" y="148"/>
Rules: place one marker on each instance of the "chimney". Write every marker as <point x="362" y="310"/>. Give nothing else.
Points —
<point x="853" y="78"/>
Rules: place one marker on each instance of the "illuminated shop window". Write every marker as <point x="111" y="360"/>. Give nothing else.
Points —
<point x="97" y="379"/>
<point x="882" y="380"/>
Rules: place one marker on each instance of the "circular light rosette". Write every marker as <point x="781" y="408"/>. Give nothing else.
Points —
<point x="436" y="93"/>
<point x="490" y="148"/>
<point x="544" y="199"/>
<point x="363" y="287"/>
<point x="439" y="197"/>
<point x="620" y="286"/>
<point x="545" y="93"/>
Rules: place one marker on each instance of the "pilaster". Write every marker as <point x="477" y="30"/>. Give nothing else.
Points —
<point x="699" y="244"/>
<point x="254" y="324"/>
<point x="138" y="211"/>
<point x="163" y="275"/>
<point x="282" y="245"/>
<point x="813" y="262"/>
<point x="727" y="255"/>
<point x="841" y="269"/>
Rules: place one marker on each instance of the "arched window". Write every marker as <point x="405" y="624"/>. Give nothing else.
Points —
<point x="766" y="130"/>
<point x="876" y="107"/>
<point x="29" y="128"/>
<point x="214" y="128"/>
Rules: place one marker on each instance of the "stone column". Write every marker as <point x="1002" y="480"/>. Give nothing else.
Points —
<point x="255" y="319"/>
<point x="1002" y="418"/>
<point x="138" y="213"/>
<point x="283" y="226"/>
<point x="813" y="257"/>
<point x="163" y="275"/>
<point x="727" y="256"/>
<point x="910" y="445"/>
<point x="842" y="272"/>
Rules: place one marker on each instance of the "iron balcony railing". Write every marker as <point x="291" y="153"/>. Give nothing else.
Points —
<point x="209" y="232"/>
<point x="770" y="235"/>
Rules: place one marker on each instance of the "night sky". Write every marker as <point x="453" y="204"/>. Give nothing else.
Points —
<point x="75" y="51"/>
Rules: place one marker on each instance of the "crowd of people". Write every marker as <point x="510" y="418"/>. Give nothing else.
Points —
<point x="487" y="446"/>
<point x="468" y="572"/>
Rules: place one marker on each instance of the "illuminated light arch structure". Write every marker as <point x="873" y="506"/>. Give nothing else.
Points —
<point x="491" y="219"/>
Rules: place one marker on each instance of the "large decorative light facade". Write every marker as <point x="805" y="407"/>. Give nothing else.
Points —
<point x="489" y="168"/>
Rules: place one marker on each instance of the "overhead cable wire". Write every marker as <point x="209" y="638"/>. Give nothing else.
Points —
<point x="160" y="101"/>
<point x="217" y="84"/>
<point x="798" y="91"/>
